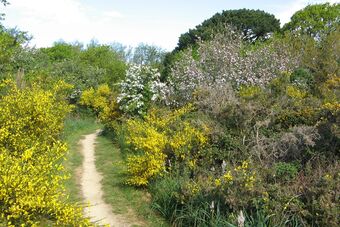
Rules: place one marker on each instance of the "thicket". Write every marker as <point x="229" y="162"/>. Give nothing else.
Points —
<point x="31" y="157"/>
<point x="34" y="102"/>
<point x="227" y="131"/>
<point x="244" y="132"/>
<point x="37" y="87"/>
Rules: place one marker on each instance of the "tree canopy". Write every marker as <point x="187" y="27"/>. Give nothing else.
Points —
<point x="145" y="54"/>
<point x="10" y="44"/>
<point x="61" y="51"/>
<point x="254" y="24"/>
<point x="315" y="20"/>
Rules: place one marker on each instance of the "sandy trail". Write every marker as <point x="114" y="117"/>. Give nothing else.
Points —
<point x="99" y="211"/>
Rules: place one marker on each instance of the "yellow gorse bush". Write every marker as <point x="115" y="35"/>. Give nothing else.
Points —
<point x="249" y="92"/>
<point x="30" y="115"/>
<point x="330" y="89"/>
<point x="241" y="175"/>
<point x="144" y="137"/>
<point x="159" y="135"/>
<point x="31" y="170"/>
<point x="102" y="101"/>
<point x="294" y="92"/>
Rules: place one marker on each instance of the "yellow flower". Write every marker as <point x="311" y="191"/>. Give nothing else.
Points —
<point x="228" y="177"/>
<point x="157" y="134"/>
<point x="31" y="175"/>
<point x="217" y="182"/>
<point x="294" y="92"/>
<point x="327" y="177"/>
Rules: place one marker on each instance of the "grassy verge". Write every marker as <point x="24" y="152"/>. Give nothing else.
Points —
<point x="75" y="128"/>
<point x="130" y="201"/>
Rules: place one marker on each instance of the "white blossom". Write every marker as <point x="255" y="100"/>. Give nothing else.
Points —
<point x="227" y="59"/>
<point x="140" y="87"/>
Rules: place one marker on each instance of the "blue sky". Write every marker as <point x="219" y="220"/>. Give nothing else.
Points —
<point x="157" y="22"/>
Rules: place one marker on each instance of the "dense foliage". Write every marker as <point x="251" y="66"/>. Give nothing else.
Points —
<point x="145" y="54"/>
<point x="103" y="102"/>
<point x="254" y="25"/>
<point x="239" y="125"/>
<point x="82" y="67"/>
<point x="162" y="137"/>
<point x="260" y="144"/>
<point x="315" y="20"/>
<point x="31" y="154"/>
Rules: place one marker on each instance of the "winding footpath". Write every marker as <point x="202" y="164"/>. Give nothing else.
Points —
<point x="99" y="212"/>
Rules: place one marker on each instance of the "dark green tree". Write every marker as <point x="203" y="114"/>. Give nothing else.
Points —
<point x="254" y="24"/>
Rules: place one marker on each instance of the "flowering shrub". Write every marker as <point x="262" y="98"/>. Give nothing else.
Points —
<point x="30" y="115"/>
<point x="151" y="162"/>
<point x="241" y="181"/>
<point x="227" y="59"/>
<point x="241" y="174"/>
<point x="249" y="92"/>
<point x="290" y="138"/>
<point x="296" y="93"/>
<point x="160" y="137"/>
<point x="102" y="101"/>
<point x="31" y="170"/>
<point x="140" y="87"/>
<point x="330" y="90"/>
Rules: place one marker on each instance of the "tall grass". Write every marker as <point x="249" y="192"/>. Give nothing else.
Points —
<point x="195" y="212"/>
<point x="198" y="210"/>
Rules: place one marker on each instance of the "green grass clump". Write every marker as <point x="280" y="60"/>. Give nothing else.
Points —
<point x="133" y="202"/>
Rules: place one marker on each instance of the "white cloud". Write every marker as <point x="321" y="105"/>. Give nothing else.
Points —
<point x="49" y="21"/>
<point x="113" y="14"/>
<point x="73" y="20"/>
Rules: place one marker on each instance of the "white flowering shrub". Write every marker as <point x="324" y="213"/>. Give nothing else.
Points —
<point x="228" y="59"/>
<point x="140" y="88"/>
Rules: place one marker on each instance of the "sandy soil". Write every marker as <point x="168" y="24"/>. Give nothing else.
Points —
<point x="99" y="211"/>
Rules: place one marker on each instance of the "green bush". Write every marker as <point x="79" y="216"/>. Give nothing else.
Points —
<point x="286" y="171"/>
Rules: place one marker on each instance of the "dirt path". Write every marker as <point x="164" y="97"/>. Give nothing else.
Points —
<point x="99" y="211"/>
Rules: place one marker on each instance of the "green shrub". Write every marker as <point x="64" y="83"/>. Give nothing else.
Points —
<point x="286" y="171"/>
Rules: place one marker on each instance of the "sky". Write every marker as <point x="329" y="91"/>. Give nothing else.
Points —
<point x="130" y="22"/>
